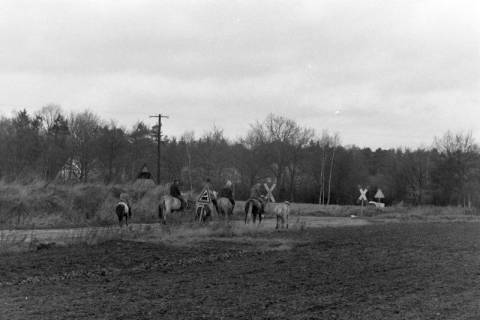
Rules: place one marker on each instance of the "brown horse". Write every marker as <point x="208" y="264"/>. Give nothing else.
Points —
<point x="253" y="208"/>
<point x="168" y="204"/>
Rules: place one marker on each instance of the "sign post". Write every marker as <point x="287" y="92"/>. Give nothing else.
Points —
<point x="202" y="209"/>
<point x="379" y="195"/>
<point x="270" y="197"/>
<point x="363" y="197"/>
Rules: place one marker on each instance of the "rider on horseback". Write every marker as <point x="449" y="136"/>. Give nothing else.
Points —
<point x="258" y="192"/>
<point x="227" y="192"/>
<point x="175" y="192"/>
<point x="125" y="198"/>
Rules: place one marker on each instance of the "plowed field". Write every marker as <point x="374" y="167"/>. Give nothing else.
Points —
<point x="375" y="271"/>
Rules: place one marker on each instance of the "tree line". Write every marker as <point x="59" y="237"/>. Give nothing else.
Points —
<point x="80" y="147"/>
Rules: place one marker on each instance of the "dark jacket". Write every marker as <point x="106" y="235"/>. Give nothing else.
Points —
<point x="257" y="191"/>
<point x="226" y="193"/>
<point x="174" y="191"/>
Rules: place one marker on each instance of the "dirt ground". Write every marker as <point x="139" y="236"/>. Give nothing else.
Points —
<point x="25" y="239"/>
<point x="365" y="271"/>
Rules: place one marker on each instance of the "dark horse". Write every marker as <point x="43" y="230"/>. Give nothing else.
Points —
<point x="253" y="207"/>
<point x="123" y="211"/>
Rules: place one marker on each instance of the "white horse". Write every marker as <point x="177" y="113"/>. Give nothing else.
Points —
<point x="281" y="211"/>
<point x="225" y="208"/>
<point x="168" y="204"/>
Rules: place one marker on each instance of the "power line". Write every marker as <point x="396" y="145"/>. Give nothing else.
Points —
<point x="159" y="139"/>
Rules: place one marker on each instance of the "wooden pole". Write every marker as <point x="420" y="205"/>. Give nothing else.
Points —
<point x="159" y="140"/>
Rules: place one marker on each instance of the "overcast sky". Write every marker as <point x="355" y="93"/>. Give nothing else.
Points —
<point x="381" y="73"/>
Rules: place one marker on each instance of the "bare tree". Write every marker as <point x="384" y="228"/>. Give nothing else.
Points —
<point x="335" y="142"/>
<point x="84" y="129"/>
<point x="459" y="166"/>
<point x="324" y="142"/>
<point x="189" y="138"/>
<point x="282" y="139"/>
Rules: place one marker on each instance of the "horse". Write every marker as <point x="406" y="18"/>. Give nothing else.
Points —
<point x="203" y="211"/>
<point x="253" y="207"/>
<point x="123" y="211"/>
<point x="168" y="204"/>
<point x="281" y="211"/>
<point x="225" y="207"/>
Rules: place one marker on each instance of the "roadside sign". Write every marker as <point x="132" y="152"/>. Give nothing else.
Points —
<point x="269" y="192"/>
<point x="379" y="194"/>
<point x="204" y="196"/>
<point x="363" y="194"/>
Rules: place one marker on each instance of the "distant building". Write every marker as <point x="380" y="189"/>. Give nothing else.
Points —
<point x="144" y="173"/>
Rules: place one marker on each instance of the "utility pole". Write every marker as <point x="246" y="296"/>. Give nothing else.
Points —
<point x="159" y="140"/>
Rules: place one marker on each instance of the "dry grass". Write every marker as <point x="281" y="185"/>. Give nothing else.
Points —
<point x="27" y="240"/>
<point x="181" y="233"/>
<point x="41" y="205"/>
<point x="393" y="212"/>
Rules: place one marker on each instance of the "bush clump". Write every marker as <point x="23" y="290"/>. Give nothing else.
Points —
<point x="62" y="205"/>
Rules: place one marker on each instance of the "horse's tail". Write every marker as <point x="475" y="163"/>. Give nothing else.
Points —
<point x="119" y="210"/>
<point x="161" y="209"/>
<point x="130" y="211"/>
<point x="248" y="211"/>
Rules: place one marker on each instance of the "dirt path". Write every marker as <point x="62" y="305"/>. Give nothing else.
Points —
<point x="25" y="238"/>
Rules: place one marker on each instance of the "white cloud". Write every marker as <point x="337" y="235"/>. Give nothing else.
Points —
<point x="399" y="71"/>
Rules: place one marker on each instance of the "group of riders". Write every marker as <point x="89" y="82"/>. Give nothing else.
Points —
<point x="256" y="192"/>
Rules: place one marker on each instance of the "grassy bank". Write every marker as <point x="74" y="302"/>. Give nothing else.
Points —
<point x="42" y="205"/>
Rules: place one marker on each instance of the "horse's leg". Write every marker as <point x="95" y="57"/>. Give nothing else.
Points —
<point x="276" y="227"/>
<point x="204" y="213"/>
<point x="162" y="212"/>
<point x="198" y="212"/>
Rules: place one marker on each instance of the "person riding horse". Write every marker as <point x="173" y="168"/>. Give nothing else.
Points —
<point x="258" y="192"/>
<point x="227" y="192"/>
<point x="123" y="208"/>
<point x="175" y="192"/>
